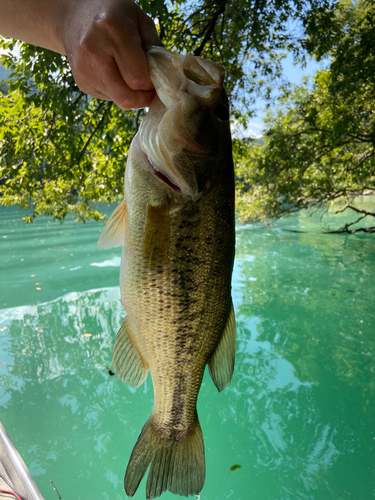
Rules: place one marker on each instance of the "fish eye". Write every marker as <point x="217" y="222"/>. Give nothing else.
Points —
<point x="222" y="112"/>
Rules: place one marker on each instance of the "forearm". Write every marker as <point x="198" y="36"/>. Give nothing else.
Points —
<point x="102" y="39"/>
<point x="38" y="22"/>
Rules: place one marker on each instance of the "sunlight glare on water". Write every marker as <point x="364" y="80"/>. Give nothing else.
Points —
<point x="297" y="421"/>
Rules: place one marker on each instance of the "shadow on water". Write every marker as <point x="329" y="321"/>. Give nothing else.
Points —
<point x="298" y="416"/>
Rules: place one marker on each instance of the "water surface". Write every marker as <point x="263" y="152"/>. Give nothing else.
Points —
<point x="298" y="417"/>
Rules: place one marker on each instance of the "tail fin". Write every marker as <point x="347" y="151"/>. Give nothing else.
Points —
<point x="176" y="464"/>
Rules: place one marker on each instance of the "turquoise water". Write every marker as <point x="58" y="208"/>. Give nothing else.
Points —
<point x="299" y="416"/>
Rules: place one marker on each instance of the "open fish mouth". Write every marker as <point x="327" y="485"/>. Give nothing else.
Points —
<point x="173" y="74"/>
<point x="162" y="176"/>
<point x="173" y="146"/>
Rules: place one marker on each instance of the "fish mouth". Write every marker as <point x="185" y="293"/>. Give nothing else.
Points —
<point x="157" y="171"/>
<point x="173" y="74"/>
<point x="175" y="150"/>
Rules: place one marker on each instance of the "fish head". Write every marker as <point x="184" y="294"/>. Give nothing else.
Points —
<point x="186" y="134"/>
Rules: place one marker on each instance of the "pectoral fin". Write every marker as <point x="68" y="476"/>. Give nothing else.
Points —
<point x="126" y="360"/>
<point x="156" y="240"/>
<point x="114" y="232"/>
<point x="221" y="363"/>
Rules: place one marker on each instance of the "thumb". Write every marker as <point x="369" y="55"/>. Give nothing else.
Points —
<point x="148" y="31"/>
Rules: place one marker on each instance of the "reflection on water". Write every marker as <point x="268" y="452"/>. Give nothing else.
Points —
<point x="31" y="332"/>
<point x="298" y="416"/>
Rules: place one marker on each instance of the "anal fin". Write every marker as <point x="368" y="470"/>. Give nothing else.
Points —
<point x="221" y="362"/>
<point x="114" y="231"/>
<point x="126" y="360"/>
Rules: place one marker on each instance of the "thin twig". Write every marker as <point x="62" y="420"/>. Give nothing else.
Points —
<point x="358" y="210"/>
<point x="55" y="489"/>
<point x="352" y="231"/>
<point x="338" y="231"/>
<point x="81" y="94"/>
<point x="218" y="46"/>
<point x="83" y="150"/>
<point x="195" y="13"/>
<point x="211" y="27"/>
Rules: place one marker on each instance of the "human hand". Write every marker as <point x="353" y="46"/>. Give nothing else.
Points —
<point x="103" y="42"/>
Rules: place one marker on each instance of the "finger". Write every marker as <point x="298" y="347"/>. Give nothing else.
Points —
<point x="130" y="56"/>
<point x="148" y="31"/>
<point x="112" y="83"/>
<point x="98" y="75"/>
<point x="135" y="99"/>
<point x="97" y="94"/>
<point x="132" y="62"/>
<point x="88" y="88"/>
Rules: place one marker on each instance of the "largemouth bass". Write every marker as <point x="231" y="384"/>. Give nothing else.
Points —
<point x="176" y="226"/>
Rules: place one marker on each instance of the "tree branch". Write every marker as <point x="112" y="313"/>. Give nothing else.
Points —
<point x="191" y="16"/>
<point x="161" y="25"/>
<point x="218" y="46"/>
<point x="99" y="124"/>
<point x="211" y="27"/>
<point x="358" y="210"/>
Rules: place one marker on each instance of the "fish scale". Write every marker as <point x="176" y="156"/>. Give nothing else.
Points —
<point x="176" y="226"/>
<point x="187" y="319"/>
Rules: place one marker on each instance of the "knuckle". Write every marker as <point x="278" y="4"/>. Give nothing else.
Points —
<point x="85" y="47"/>
<point x="125" y="102"/>
<point x="103" y="23"/>
<point x="98" y="33"/>
<point x="137" y="81"/>
<point x="82" y="86"/>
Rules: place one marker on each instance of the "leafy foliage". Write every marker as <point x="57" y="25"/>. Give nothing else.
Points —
<point x="320" y="145"/>
<point x="4" y="88"/>
<point x="61" y="151"/>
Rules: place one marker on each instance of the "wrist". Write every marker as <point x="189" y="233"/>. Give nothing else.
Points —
<point x="61" y="18"/>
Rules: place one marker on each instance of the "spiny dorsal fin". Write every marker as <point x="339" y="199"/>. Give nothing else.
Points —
<point x="156" y="240"/>
<point x="114" y="232"/>
<point x="221" y="363"/>
<point x="126" y="360"/>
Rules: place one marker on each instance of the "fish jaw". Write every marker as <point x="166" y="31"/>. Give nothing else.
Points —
<point x="173" y="74"/>
<point x="157" y="152"/>
<point x="181" y="151"/>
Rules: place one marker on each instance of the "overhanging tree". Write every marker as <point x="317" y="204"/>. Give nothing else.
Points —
<point x="60" y="152"/>
<point x="320" y="145"/>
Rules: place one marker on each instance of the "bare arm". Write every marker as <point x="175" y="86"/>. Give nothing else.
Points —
<point x="33" y="21"/>
<point x="101" y="38"/>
